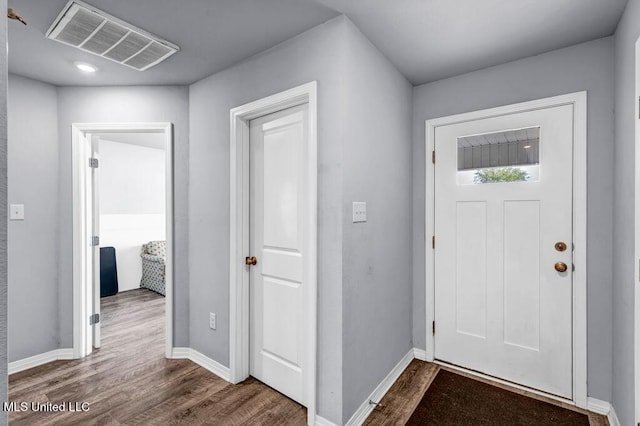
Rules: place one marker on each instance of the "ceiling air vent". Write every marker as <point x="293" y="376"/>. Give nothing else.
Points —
<point x="92" y="30"/>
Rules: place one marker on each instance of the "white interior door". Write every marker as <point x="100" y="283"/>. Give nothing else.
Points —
<point x="502" y="307"/>
<point x="278" y="342"/>
<point x="95" y="252"/>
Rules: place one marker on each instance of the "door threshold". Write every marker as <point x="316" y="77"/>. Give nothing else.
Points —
<point x="515" y="387"/>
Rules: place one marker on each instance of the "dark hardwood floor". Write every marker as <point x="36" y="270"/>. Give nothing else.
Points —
<point x="128" y="381"/>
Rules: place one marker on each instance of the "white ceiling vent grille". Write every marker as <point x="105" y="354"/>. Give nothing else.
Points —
<point x="85" y="27"/>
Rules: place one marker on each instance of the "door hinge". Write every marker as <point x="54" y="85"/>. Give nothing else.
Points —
<point x="433" y="242"/>
<point x="433" y="327"/>
<point x="93" y="163"/>
<point x="94" y="319"/>
<point x="95" y="241"/>
<point x="433" y="157"/>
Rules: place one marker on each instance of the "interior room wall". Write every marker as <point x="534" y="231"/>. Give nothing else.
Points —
<point x="590" y="67"/>
<point x="33" y="242"/>
<point x="3" y="214"/>
<point x="376" y="269"/>
<point x="364" y="139"/>
<point x="623" y="188"/>
<point x="132" y="204"/>
<point x="317" y="54"/>
<point x="126" y="105"/>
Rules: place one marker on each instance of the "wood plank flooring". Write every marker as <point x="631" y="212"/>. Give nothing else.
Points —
<point x="129" y="382"/>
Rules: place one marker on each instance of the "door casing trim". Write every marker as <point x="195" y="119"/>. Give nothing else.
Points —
<point x="636" y="256"/>
<point x="239" y="233"/>
<point x="579" y="326"/>
<point x="81" y="296"/>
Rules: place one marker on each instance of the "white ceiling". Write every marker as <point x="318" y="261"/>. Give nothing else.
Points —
<point x="425" y="39"/>
<point x="428" y="40"/>
<point x="212" y="35"/>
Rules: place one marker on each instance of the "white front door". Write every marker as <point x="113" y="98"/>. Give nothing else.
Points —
<point x="503" y="214"/>
<point x="278" y="342"/>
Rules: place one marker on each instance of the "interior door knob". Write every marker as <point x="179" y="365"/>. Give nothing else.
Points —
<point x="560" y="266"/>
<point x="252" y="261"/>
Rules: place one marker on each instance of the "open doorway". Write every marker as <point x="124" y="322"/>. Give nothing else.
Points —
<point x="123" y="233"/>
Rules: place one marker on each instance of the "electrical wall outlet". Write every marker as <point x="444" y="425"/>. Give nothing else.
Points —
<point x="359" y="211"/>
<point x="212" y="321"/>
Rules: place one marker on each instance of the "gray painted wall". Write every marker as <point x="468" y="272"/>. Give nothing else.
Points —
<point x="623" y="219"/>
<point x="376" y="269"/>
<point x="318" y="54"/>
<point x="588" y="66"/>
<point x="364" y="116"/>
<point x="125" y="104"/>
<point x="33" y="181"/>
<point x="3" y="213"/>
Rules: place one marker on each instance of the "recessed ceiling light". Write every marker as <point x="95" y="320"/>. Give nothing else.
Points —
<point x="84" y="67"/>
<point x="527" y="146"/>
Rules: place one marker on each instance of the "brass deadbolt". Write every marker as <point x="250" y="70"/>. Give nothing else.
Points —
<point x="561" y="266"/>
<point x="251" y="261"/>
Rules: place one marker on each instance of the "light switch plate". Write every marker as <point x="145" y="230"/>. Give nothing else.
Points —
<point x="359" y="211"/>
<point x="212" y="321"/>
<point x="16" y="212"/>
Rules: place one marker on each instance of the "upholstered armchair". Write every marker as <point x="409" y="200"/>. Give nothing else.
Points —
<point x="153" y="266"/>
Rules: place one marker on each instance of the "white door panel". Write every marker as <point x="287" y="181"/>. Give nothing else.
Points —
<point x="501" y="308"/>
<point x="278" y="144"/>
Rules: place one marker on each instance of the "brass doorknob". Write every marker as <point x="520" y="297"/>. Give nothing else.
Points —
<point x="560" y="266"/>
<point x="251" y="260"/>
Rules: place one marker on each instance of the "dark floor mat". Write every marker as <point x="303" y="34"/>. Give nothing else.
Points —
<point x="457" y="400"/>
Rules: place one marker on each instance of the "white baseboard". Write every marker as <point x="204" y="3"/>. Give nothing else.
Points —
<point x="321" y="421"/>
<point x="605" y="408"/>
<point x="366" y="408"/>
<point x="598" y="406"/>
<point x="613" y="417"/>
<point x="203" y="361"/>
<point x="420" y="354"/>
<point x="40" y="359"/>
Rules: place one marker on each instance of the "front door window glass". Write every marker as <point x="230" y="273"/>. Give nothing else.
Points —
<point x="499" y="157"/>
